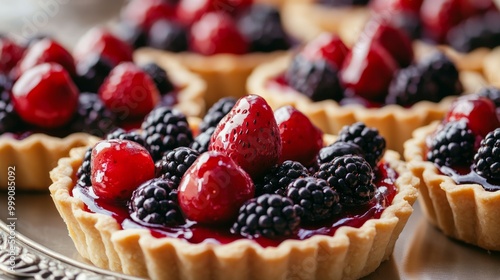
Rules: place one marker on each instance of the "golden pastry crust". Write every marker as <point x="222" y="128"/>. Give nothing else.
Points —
<point x="394" y="122"/>
<point x="33" y="157"/>
<point x="224" y="74"/>
<point x="462" y="211"/>
<point x="350" y="254"/>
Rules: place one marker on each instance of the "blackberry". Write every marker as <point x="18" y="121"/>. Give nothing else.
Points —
<point x="165" y="129"/>
<point x="491" y="93"/>
<point x="202" y="140"/>
<point x="132" y="34"/>
<point x="174" y="164"/>
<point x="344" y="3"/>
<point x="316" y="198"/>
<point x="155" y="202"/>
<point x="121" y="134"/>
<point x="168" y="35"/>
<point x="408" y="21"/>
<point x="487" y="158"/>
<point x="453" y="144"/>
<point x="280" y="176"/>
<point x="261" y="26"/>
<point x="482" y="30"/>
<point x="316" y="79"/>
<point x="92" y="72"/>
<point x="433" y="80"/>
<point x="92" y="116"/>
<point x="337" y="149"/>
<point x="268" y="215"/>
<point x="352" y="177"/>
<point x="217" y="112"/>
<point x="83" y="172"/>
<point x="160" y="77"/>
<point x="368" y="139"/>
<point x="9" y="120"/>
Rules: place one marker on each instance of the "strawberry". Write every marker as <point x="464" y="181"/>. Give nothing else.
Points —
<point x="301" y="140"/>
<point x="439" y="16"/>
<point x="249" y="135"/>
<point x="326" y="46"/>
<point x="118" y="167"/>
<point x="46" y="51"/>
<point x="214" y="188"/>
<point x="129" y="92"/>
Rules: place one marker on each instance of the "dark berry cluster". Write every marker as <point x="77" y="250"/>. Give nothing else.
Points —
<point x="368" y="139"/>
<point x="453" y="144"/>
<point x="278" y="179"/>
<point x="487" y="158"/>
<point x="121" y="134"/>
<point x="482" y="30"/>
<point x="174" y="164"/>
<point x="83" y="172"/>
<point x="92" y="116"/>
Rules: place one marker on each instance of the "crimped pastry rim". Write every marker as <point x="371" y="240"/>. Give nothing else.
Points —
<point x="392" y="220"/>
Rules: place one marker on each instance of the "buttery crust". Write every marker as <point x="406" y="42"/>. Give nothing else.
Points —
<point x="394" y="122"/>
<point x="462" y="211"/>
<point x="224" y="74"/>
<point x="350" y="254"/>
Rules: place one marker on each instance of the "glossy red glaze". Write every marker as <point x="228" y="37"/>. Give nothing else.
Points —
<point x="467" y="175"/>
<point x="46" y="51"/>
<point x="326" y="46"/>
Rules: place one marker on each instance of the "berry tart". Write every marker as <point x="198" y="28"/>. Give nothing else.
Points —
<point x="222" y="41"/>
<point x="52" y="101"/>
<point x="268" y="196"/>
<point x="457" y="161"/>
<point x="379" y="81"/>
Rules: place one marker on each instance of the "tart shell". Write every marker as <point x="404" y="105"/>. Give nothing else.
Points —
<point x="224" y="74"/>
<point x="465" y="212"/>
<point x="394" y="122"/>
<point x="350" y="254"/>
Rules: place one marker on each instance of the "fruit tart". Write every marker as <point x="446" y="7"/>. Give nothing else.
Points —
<point x="267" y="196"/>
<point x="457" y="161"/>
<point x="222" y="41"/>
<point x="379" y="81"/>
<point x="52" y="101"/>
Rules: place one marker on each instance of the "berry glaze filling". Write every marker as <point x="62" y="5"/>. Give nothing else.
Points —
<point x="193" y="232"/>
<point x="467" y="175"/>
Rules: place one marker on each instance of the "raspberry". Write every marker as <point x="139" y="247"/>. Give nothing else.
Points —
<point x="165" y="129"/>
<point x="133" y="136"/>
<point x="351" y="177"/>
<point x="168" y="35"/>
<point x="487" y="158"/>
<point x="452" y="144"/>
<point x="492" y="93"/>
<point x="217" y="112"/>
<point x="83" y="172"/>
<point x="174" y="164"/>
<point x="261" y="25"/>
<point x="202" y="141"/>
<point x="92" y="116"/>
<point x="280" y="176"/>
<point x="159" y="76"/>
<point x="478" y="31"/>
<point x="368" y="139"/>
<point x="316" y="198"/>
<point x="338" y="149"/>
<point x="155" y="202"/>
<point x="316" y="79"/>
<point x="268" y="215"/>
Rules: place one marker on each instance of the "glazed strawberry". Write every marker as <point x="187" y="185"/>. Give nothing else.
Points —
<point x="190" y="11"/>
<point x="301" y="140"/>
<point x="215" y="33"/>
<point x="394" y="40"/>
<point x="45" y="96"/>
<point x="438" y="17"/>
<point x="480" y="112"/>
<point x="46" y="51"/>
<point x="101" y="42"/>
<point x="129" y="92"/>
<point x="368" y="70"/>
<point x="214" y="188"/>
<point x="118" y="167"/>
<point x="10" y="54"/>
<point x="249" y="135"/>
<point x="144" y="13"/>
<point x="326" y="46"/>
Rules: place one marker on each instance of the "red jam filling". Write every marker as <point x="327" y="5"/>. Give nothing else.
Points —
<point x="196" y="233"/>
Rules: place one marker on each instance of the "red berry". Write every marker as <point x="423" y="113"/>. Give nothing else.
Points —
<point x="480" y="113"/>
<point x="45" y="96"/>
<point x="118" y="167"/>
<point x="213" y="189"/>
<point x="10" y="54"/>
<point x="217" y="33"/>
<point x="326" y="46"/>
<point x="384" y="6"/>
<point x="367" y="70"/>
<point x="394" y="40"/>
<point x="129" y="92"/>
<point x="470" y="8"/>
<point x="44" y="51"/>
<point x="301" y="140"/>
<point x="190" y="11"/>
<point x="100" y="41"/>
<point x="144" y="13"/>
<point x="438" y="17"/>
<point x="249" y="135"/>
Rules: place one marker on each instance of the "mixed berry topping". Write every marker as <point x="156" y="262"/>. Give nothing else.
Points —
<point x="215" y="113"/>
<point x="492" y="93"/>
<point x="167" y="35"/>
<point x="344" y="3"/>
<point x="368" y="139"/>
<point x="280" y="176"/>
<point x="202" y="140"/>
<point x="92" y="116"/>
<point x="175" y="163"/>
